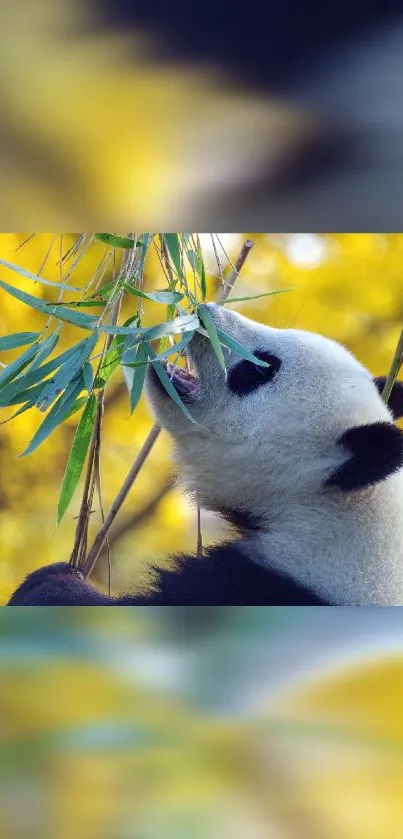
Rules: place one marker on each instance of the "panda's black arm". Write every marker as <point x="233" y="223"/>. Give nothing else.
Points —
<point x="224" y="577"/>
<point x="61" y="585"/>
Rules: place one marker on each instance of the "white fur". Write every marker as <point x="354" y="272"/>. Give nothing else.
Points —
<point x="270" y="452"/>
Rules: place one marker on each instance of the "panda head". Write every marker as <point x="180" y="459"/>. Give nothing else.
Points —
<point x="310" y="423"/>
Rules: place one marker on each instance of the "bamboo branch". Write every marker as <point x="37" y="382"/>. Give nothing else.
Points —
<point x="117" y="503"/>
<point x="230" y="282"/>
<point x="88" y="564"/>
<point x="141" y="516"/>
<point x="81" y="534"/>
<point x="394" y="369"/>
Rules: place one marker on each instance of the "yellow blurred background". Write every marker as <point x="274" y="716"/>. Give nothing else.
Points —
<point x="347" y="287"/>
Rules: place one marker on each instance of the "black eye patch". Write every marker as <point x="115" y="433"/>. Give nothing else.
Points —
<point x="246" y="377"/>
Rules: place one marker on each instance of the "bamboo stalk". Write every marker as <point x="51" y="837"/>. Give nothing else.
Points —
<point x="394" y="369"/>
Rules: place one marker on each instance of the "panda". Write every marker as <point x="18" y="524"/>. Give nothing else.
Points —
<point x="301" y="455"/>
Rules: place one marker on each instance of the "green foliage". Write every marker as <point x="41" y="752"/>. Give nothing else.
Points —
<point x="75" y="365"/>
<point x="63" y="313"/>
<point x="212" y="333"/>
<point x="173" y="245"/>
<point x="167" y="384"/>
<point x="59" y="412"/>
<point x="236" y="347"/>
<point x="77" y="456"/>
<point x="115" y="241"/>
<point x="19" y="339"/>
<point x="139" y="374"/>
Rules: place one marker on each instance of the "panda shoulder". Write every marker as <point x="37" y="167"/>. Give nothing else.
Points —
<point x="225" y="576"/>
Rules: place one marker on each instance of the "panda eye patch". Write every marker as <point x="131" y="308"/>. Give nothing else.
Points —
<point x="246" y="377"/>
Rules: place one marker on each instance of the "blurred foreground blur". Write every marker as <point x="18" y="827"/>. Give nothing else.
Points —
<point x="213" y="722"/>
<point x="187" y="117"/>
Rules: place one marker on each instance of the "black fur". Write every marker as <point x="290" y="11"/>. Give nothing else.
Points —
<point x="224" y="577"/>
<point x="245" y="377"/>
<point x="376" y="452"/>
<point x="395" y="403"/>
<point x="242" y="521"/>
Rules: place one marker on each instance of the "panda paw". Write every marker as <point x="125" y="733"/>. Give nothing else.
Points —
<point x="54" y="585"/>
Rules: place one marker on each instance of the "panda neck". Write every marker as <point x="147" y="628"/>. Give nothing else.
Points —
<point x="347" y="549"/>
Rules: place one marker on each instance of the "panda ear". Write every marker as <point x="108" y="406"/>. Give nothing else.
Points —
<point x="395" y="403"/>
<point x="376" y="451"/>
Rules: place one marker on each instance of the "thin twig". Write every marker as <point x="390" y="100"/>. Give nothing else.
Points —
<point x="233" y="276"/>
<point x="217" y="259"/>
<point x="164" y="251"/>
<point x="141" y="516"/>
<point x="28" y="239"/>
<point x="86" y="501"/>
<point x="199" y="549"/>
<point x="116" y="505"/>
<point x="394" y="369"/>
<point x="81" y="535"/>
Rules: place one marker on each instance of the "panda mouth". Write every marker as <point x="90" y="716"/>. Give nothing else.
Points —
<point x="186" y="384"/>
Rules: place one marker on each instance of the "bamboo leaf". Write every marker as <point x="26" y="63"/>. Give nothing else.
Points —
<point x="45" y="349"/>
<point x="253" y="297"/>
<point x="239" y="349"/>
<point x="67" y="371"/>
<point x="202" y="273"/>
<point x="20" y="411"/>
<point x="138" y="376"/>
<point x="75" y="318"/>
<point x="115" y="241"/>
<point x="35" y="277"/>
<point x="30" y="393"/>
<point x="111" y="361"/>
<point x="15" y="367"/>
<point x="88" y="376"/>
<point x="164" y="342"/>
<point x="81" y="304"/>
<point x="157" y="296"/>
<point x="167" y="384"/>
<point x="176" y="348"/>
<point x="12" y="390"/>
<point x="77" y="456"/>
<point x="128" y="363"/>
<point x="105" y="292"/>
<point x="82" y="400"/>
<point x="144" y="247"/>
<point x="173" y="246"/>
<point x="211" y="330"/>
<point x="56" y="415"/>
<point x="184" y="323"/>
<point x="192" y="257"/>
<point x="173" y="349"/>
<point x="18" y="339"/>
